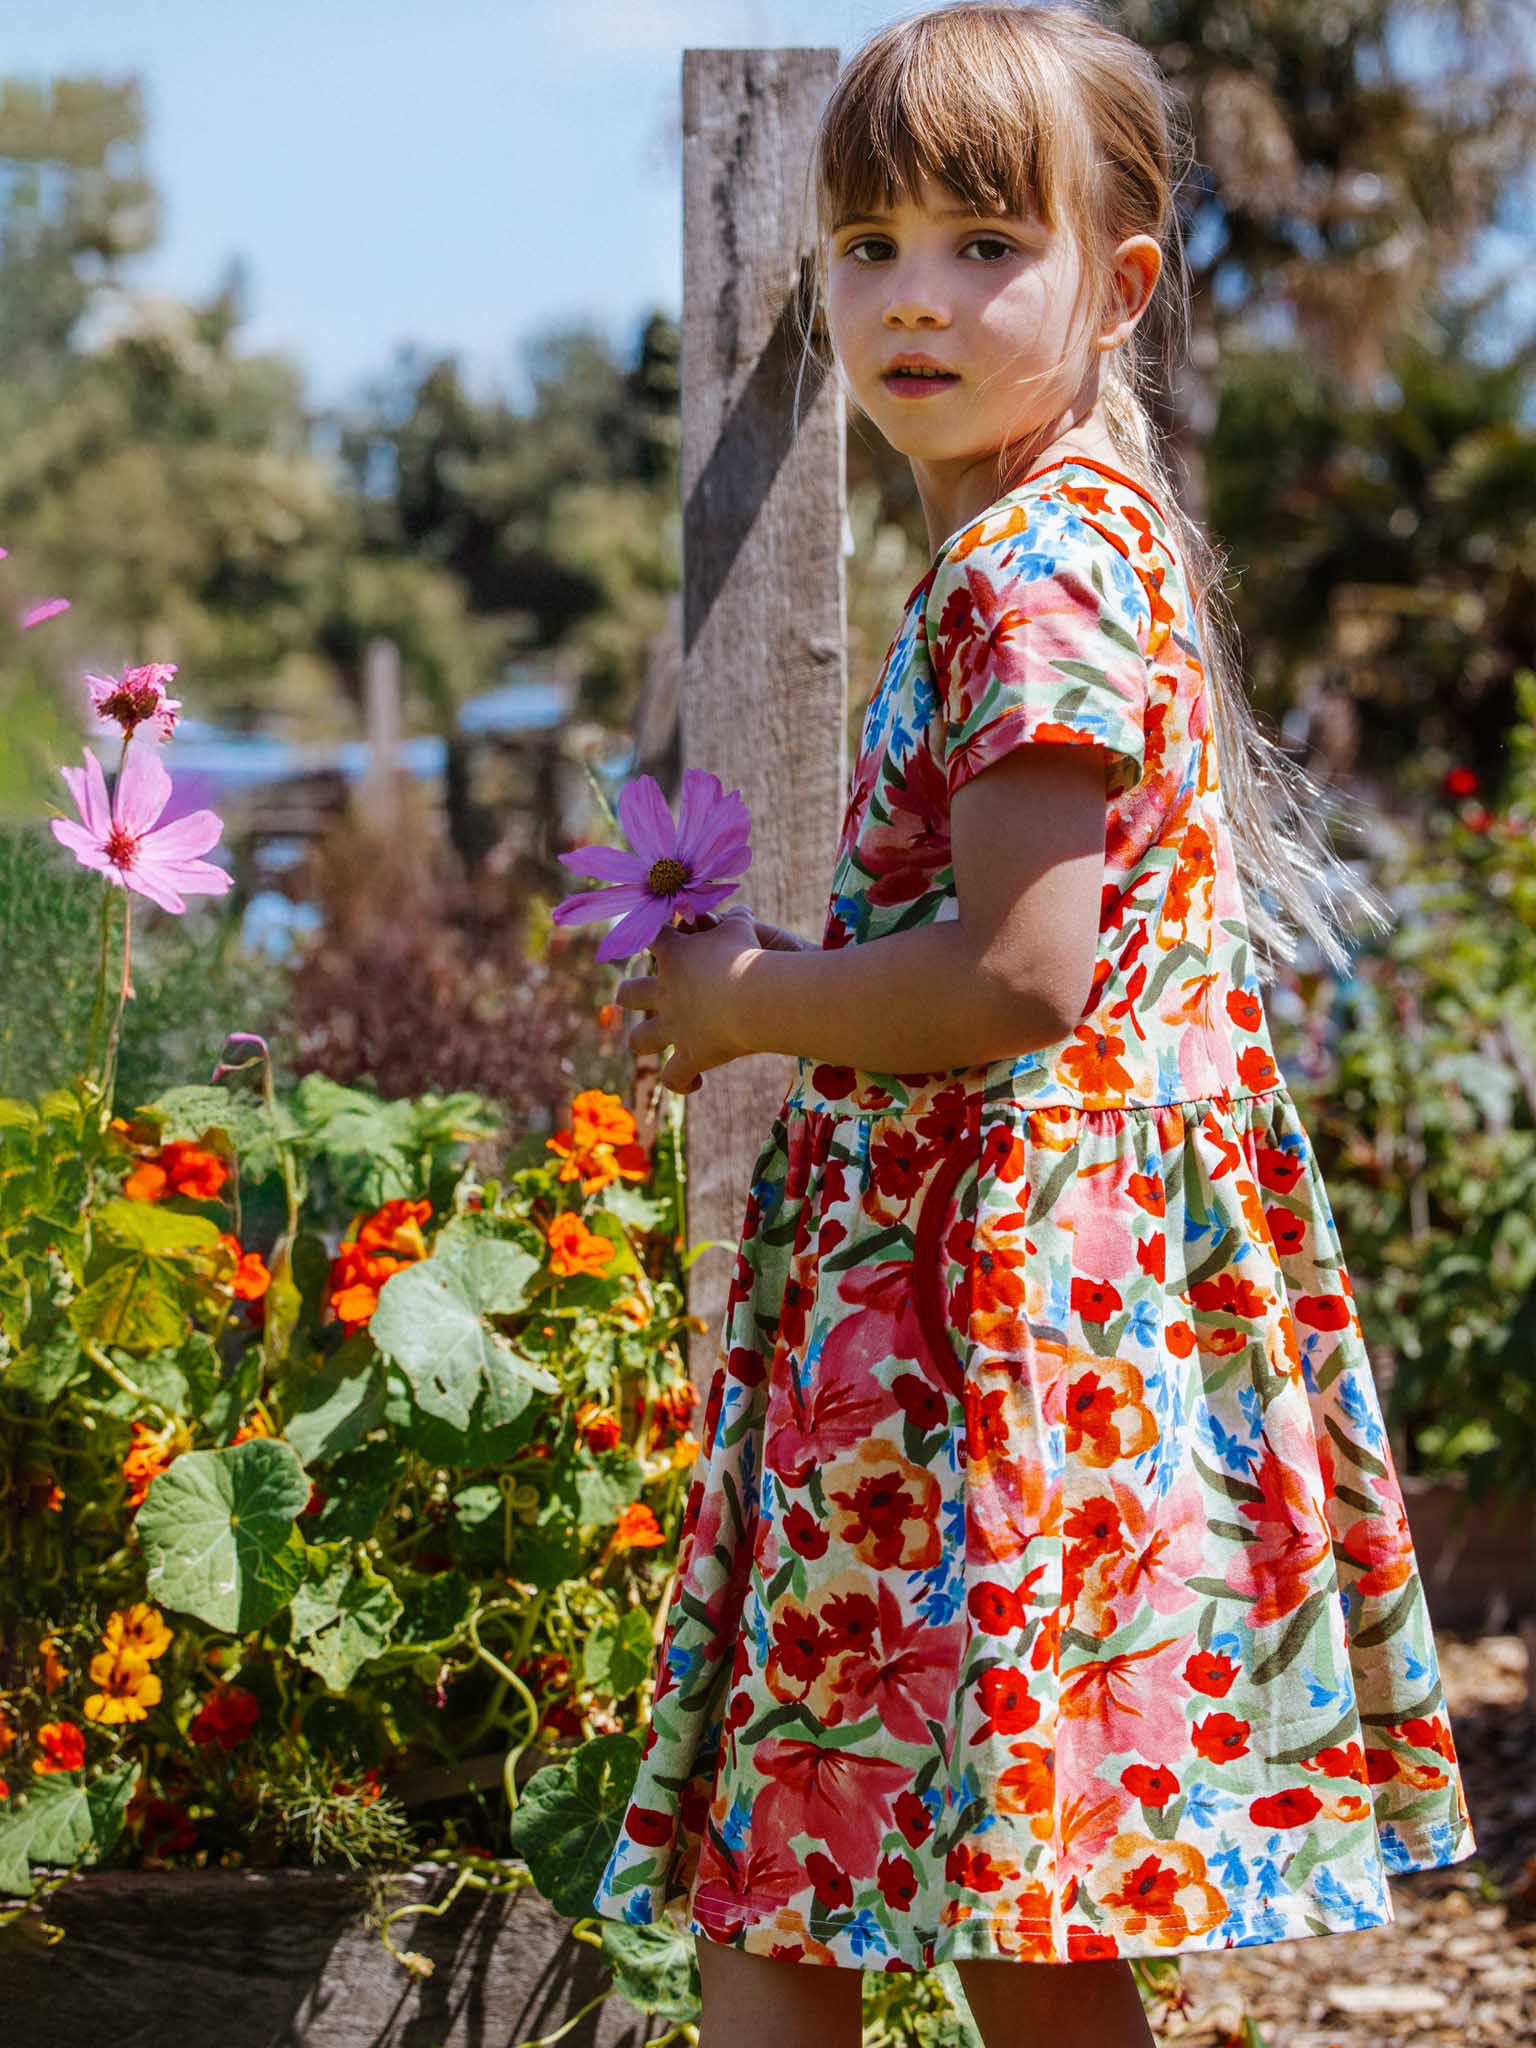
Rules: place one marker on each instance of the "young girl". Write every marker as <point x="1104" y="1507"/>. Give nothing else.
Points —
<point x="1045" y="1592"/>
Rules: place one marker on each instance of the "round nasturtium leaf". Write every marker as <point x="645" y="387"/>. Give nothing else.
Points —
<point x="220" y="1536"/>
<point x="567" y="1820"/>
<point x="655" y="1967"/>
<point x="431" y="1321"/>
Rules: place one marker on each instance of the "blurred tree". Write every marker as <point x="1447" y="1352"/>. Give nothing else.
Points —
<point x="1350" y="155"/>
<point x="74" y="201"/>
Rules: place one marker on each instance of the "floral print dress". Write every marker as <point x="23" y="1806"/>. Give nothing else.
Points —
<point x="1045" y="1588"/>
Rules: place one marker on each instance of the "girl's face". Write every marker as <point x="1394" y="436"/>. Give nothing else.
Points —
<point x="987" y="300"/>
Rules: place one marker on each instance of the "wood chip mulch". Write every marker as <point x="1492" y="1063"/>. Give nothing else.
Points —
<point x="1458" y="1966"/>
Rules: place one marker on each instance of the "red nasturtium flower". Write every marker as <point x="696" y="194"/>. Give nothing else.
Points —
<point x="599" y="1426"/>
<point x="598" y="1145"/>
<point x="575" y="1249"/>
<point x="226" y="1717"/>
<point x="63" y="1747"/>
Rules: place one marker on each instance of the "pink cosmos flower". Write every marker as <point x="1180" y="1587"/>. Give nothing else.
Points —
<point x="120" y="842"/>
<point x="35" y="613"/>
<point x="687" y="867"/>
<point x="137" y="695"/>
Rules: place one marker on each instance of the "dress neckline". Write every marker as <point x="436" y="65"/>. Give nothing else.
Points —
<point x="1060" y="462"/>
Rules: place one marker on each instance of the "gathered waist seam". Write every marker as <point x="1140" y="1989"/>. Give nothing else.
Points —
<point x="795" y="1098"/>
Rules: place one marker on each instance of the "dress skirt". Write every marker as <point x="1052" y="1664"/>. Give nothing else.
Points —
<point x="1045" y="1586"/>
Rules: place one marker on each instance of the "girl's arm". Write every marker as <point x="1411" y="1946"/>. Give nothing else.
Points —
<point x="1010" y="974"/>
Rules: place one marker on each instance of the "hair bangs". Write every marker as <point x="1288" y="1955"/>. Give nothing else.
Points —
<point x="931" y="99"/>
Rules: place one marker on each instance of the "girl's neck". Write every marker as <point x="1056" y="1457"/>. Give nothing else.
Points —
<point x="947" y="509"/>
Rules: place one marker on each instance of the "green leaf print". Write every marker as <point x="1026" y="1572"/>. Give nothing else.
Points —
<point x="1289" y="1647"/>
<point x="1225" y="1482"/>
<point x="1357" y="1454"/>
<point x="1341" y="1731"/>
<point x="1378" y="1631"/>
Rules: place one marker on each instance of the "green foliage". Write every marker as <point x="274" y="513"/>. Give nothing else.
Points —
<point x="191" y="974"/>
<point x="291" y="1523"/>
<point x="1425" y="1120"/>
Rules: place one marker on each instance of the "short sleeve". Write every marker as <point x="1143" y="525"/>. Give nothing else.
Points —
<point x="1038" y="636"/>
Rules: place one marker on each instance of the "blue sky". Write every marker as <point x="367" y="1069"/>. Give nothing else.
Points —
<point x="460" y="175"/>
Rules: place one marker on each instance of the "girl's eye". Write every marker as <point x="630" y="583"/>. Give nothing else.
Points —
<point x="976" y="241"/>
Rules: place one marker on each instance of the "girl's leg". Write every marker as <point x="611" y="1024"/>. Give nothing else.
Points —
<point x="1069" y="2005"/>
<point x="766" y="2002"/>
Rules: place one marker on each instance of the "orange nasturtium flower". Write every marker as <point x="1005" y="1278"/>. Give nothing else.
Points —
<point x="395" y="1229"/>
<point x="149" y="1453"/>
<point x="598" y="1145"/>
<point x="55" y="1672"/>
<point x="7" y="1733"/>
<point x="39" y="1490"/>
<point x="260" y="1424"/>
<point x="387" y="1239"/>
<point x="63" y="1748"/>
<point x="575" y="1249"/>
<point x="251" y="1278"/>
<point x="137" y="1631"/>
<point x="128" y="1688"/>
<point x="638" y="1528"/>
<point x="177" y="1168"/>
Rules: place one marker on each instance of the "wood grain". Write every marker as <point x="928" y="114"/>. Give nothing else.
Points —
<point x="763" y="663"/>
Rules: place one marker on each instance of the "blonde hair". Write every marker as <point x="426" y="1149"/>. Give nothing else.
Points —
<point x="1046" y="110"/>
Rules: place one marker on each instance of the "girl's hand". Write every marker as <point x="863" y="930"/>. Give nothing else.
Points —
<point x="683" y="1001"/>
<point x="774" y="939"/>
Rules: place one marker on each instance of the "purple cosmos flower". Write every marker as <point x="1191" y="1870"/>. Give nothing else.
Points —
<point x="684" y="868"/>
<point x="119" y="840"/>
<point x="135" y="696"/>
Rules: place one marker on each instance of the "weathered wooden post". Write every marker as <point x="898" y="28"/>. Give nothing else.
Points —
<point x="763" y="681"/>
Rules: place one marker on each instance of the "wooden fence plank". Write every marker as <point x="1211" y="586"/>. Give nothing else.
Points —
<point x="764" y="670"/>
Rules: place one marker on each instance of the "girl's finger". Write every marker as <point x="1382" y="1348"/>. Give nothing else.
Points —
<point x="680" y="1074"/>
<point x="646" y="1035"/>
<point x="637" y="992"/>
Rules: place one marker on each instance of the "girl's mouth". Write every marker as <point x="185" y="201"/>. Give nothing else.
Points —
<point x="918" y="383"/>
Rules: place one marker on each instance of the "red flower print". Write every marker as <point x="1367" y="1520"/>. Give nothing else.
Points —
<point x="1211" y="1673"/>
<point x="1007" y="1705"/>
<point x="1084" y="1946"/>
<point x="996" y="1608"/>
<point x="1149" y="1783"/>
<point x="898" y="1883"/>
<point x="1322" y="1311"/>
<point x="901" y="854"/>
<point x="1289" y="1809"/>
<point x="977" y="1870"/>
<point x="1096" y="1300"/>
<point x="913" y="1818"/>
<point x="803" y="1533"/>
<point x="833" y="1891"/>
<point x="1220" y="1737"/>
<point x="922" y="1403"/>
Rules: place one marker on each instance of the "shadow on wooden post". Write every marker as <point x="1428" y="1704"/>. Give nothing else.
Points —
<point x="763" y="689"/>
